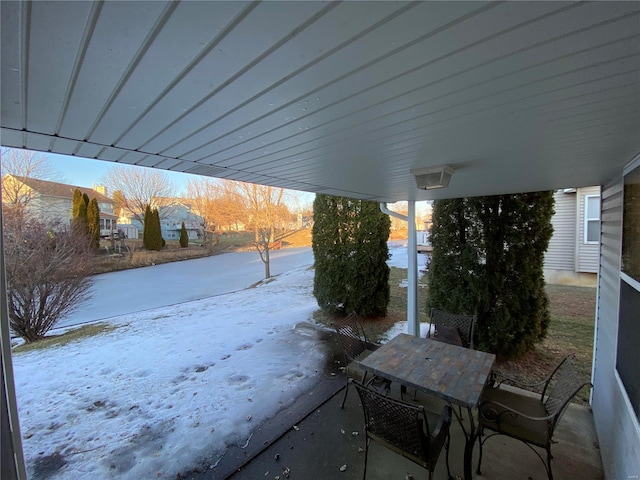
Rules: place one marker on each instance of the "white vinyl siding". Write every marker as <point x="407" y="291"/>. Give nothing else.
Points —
<point x="616" y="424"/>
<point x="561" y="252"/>
<point x="587" y="253"/>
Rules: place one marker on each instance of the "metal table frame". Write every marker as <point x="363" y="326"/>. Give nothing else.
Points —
<point x="455" y="374"/>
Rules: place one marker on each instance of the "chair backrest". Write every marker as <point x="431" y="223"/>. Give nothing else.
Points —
<point x="463" y="323"/>
<point x="397" y="425"/>
<point x="562" y="385"/>
<point x="353" y="319"/>
<point x="351" y="340"/>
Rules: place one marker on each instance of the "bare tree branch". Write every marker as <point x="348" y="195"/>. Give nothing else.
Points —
<point x="16" y="196"/>
<point x="140" y="187"/>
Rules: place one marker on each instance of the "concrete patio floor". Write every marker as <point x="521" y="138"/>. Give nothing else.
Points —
<point x="313" y="438"/>
<point x="330" y="438"/>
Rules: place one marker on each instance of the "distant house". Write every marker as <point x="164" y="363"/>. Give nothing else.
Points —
<point x="171" y="218"/>
<point x="54" y="201"/>
<point x="573" y="255"/>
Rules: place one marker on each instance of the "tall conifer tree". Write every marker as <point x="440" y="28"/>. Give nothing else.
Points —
<point x="350" y="250"/>
<point x="93" y="223"/>
<point x="152" y="235"/>
<point x="146" y="227"/>
<point x="80" y="222"/>
<point x="488" y="255"/>
<point x="184" y="236"/>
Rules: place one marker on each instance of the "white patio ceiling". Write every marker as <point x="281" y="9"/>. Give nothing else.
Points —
<point x="342" y="98"/>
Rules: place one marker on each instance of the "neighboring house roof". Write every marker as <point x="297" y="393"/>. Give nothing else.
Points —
<point x="62" y="190"/>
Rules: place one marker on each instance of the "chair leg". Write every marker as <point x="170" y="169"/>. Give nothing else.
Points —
<point x="480" y="431"/>
<point x="346" y="390"/>
<point x="549" y="457"/>
<point x="366" y="455"/>
<point x="446" y="446"/>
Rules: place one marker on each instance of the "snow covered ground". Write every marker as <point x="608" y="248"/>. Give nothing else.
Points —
<point x="169" y="388"/>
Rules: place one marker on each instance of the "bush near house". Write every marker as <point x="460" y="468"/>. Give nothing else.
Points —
<point x="152" y="234"/>
<point x="488" y="254"/>
<point x="184" y="237"/>
<point x="93" y="222"/>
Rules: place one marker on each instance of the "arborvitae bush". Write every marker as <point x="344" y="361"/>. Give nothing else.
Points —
<point x="158" y="230"/>
<point x="76" y="202"/>
<point x="152" y="235"/>
<point x="80" y="221"/>
<point x="146" y="227"/>
<point x="184" y="236"/>
<point x="488" y="255"/>
<point x="349" y="240"/>
<point x="93" y="223"/>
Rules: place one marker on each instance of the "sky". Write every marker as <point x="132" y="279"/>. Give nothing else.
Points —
<point x="168" y="388"/>
<point x="86" y="172"/>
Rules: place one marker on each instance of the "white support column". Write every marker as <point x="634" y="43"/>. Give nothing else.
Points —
<point x="413" y="318"/>
<point x="11" y="443"/>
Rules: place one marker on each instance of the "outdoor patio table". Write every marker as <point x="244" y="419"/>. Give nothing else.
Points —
<point x="455" y="374"/>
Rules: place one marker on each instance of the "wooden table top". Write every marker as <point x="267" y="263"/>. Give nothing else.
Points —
<point x="456" y="374"/>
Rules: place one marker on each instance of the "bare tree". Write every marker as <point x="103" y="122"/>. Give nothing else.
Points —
<point x="202" y="192"/>
<point x="266" y="209"/>
<point x="48" y="272"/>
<point x="219" y="202"/>
<point x="139" y="187"/>
<point x="16" y="196"/>
<point x="232" y="206"/>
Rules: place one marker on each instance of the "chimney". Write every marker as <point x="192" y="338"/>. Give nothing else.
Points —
<point x="100" y="189"/>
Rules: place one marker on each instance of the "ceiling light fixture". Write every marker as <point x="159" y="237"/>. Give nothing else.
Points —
<point x="433" y="177"/>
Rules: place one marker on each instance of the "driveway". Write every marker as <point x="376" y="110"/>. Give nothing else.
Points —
<point x="129" y="291"/>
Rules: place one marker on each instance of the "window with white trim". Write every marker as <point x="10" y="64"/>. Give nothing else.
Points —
<point x="591" y="218"/>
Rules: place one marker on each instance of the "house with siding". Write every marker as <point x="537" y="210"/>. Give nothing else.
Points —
<point x="172" y="216"/>
<point x="53" y="201"/>
<point x="172" y="213"/>
<point x="574" y="249"/>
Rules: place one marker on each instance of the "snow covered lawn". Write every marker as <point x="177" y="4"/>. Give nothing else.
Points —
<point x="171" y="387"/>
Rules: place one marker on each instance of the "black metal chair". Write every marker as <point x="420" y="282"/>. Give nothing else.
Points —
<point x="532" y="419"/>
<point x="463" y="325"/>
<point x="403" y="428"/>
<point x="356" y="346"/>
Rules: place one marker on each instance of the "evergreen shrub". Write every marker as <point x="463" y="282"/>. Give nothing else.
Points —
<point x="184" y="236"/>
<point x="349" y="240"/>
<point x="487" y="259"/>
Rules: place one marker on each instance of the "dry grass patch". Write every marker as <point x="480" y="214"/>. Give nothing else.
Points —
<point x="135" y="255"/>
<point x="570" y="332"/>
<point x="70" y="336"/>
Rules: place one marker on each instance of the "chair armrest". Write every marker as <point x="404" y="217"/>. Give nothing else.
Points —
<point x="492" y="411"/>
<point x="439" y="434"/>
<point x="496" y="379"/>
